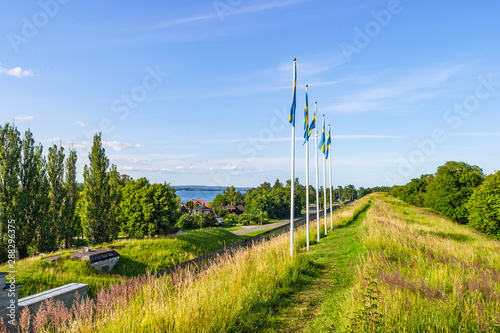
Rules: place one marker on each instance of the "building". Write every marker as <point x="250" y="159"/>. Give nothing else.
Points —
<point x="231" y="209"/>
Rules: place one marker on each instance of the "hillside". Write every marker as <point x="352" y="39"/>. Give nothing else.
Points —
<point x="136" y="257"/>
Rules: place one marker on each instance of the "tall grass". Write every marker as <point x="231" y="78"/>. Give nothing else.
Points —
<point x="422" y="273"/>
<point x="218" y="298"/>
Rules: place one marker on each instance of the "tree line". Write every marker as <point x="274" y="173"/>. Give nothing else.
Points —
<point x="459" y="191"/>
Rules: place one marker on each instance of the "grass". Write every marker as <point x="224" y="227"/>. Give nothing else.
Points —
<point x="37" y="275"/>
<point x="422" y="273"/>
<point x="231" y="227"/>
<point x="325" y="279"/>
<point x="155" y="255"/>
<point x="234" y="294"/>
<point x="136" y="257"/>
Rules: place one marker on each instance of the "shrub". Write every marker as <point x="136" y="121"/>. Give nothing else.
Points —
<point x="186" y="221"/>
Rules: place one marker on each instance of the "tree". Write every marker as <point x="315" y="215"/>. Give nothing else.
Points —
<point x="10" y="155"/>
<point x="31" y="195"/>
<point x="229" y="196"/>
<point x="45" y="238"/>
<point x="96" y="195"/>
<point x="55" y="172"/>
<point x="148" y="209"/>
<point x="115" y="196"/>
<point x="69" y="216"/>
<point x="451" y="188"/>
<point x="484" y="206"/>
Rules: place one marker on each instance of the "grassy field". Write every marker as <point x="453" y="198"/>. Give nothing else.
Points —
<point x="386" y="267"/>
<point x="136" y="257"/>
<point x="154" y="255"/>
<point x="235" y="294"/>
<point x="422" y="273"/>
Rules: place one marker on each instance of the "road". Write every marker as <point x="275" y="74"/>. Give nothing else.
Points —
<point x="252" y="228"/>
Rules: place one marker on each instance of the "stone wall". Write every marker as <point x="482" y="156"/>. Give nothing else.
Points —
<point x="105" y="265"/>
<point x="65" y="293"/>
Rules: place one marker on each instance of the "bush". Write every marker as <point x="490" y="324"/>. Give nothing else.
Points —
<point x="484" y="206"/>
<point x="186" y="221"/>
<point x="231" y="218"/>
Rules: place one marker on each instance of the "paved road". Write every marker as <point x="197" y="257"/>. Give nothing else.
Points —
<point x="252" y="228"/>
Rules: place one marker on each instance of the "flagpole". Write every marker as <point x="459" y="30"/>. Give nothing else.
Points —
<point x="317" y="168"/>
<point x="324" y="179"/>
<point x="307" y="176"/>
<point x="292" y="199"/>
<point x="331" y="192"/>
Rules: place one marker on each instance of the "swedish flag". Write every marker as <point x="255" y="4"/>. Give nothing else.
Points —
<point x="291" y="119"/>
<point x="306" y="118"/>
<point x="313" y="126"/>
<point x="322" y="145"/>
<point x="328" y="142"/>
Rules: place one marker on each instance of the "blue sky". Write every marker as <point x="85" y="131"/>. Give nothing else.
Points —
<point x="198" y="92"/>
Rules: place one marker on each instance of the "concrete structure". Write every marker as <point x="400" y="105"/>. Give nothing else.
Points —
<point x="65" y="293"/>
<point x="101" y="259"/>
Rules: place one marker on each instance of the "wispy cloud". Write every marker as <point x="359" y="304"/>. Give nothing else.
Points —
<point x="115" y="145"/>
<point x="81" y="124"/>
<point x="236" y="10"/>
<point x="476" y="133"/>
<point x="16" y="71"/>
<point x="396" y="91"/>
<point x="23" y="118"/>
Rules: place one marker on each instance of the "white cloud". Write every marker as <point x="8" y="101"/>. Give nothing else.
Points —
<point x="116" y="145"/>
<point x="81" y="124"/>
<point x="23" y="118"/>
<point x="16" y="71"/>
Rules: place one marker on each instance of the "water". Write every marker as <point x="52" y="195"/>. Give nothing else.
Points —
<point x="208" y="196"/>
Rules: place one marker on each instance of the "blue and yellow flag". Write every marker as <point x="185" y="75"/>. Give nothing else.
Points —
<point x="328" y="143"/>
<point x="291" y="119"/>
<point x="313" y="125"/>
<point x="322" y="145"/>
<point x="306" y="118"/>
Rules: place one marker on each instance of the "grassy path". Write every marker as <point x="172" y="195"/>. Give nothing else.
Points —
<point x="330" y="274"/>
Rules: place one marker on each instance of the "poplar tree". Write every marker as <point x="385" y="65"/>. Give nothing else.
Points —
<point x="96" y="195"/>
<point x="31" y="195"/>
<point x="55" y="172"/>
<point x="69" y="217"/>
<point x="45" y="237"/>
<point x="115" y="196"/>
<point x="10" y="155"/>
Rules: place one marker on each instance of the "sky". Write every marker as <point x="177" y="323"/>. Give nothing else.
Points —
<point x="198" y="92"/>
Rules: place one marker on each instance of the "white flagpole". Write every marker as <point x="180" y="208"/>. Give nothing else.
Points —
<point x="292" y="199"/>
<point x="331" y="192"/>
<point x="307" y="178"/>
<point x="317" y="168"/>
<point x="324" y="179"/>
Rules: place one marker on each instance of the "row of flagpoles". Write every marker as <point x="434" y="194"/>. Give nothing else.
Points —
<point x="324" y="146"/>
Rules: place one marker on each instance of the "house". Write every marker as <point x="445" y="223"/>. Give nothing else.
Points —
<point x="198" y="203"/>
<point x="206" y="210"/>
<point x="231" y="209"/>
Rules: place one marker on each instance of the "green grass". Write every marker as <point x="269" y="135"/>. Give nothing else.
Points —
<point x="231" y="227"/>
<point x="37" y="275"/>
<point x="321" y="283"/>
<point x="136" y="257"/>
<point x="154" y="255"/>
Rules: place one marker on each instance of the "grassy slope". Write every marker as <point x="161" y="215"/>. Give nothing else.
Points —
<point x="141" y="256"/>
<point x="137" y="257"/>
